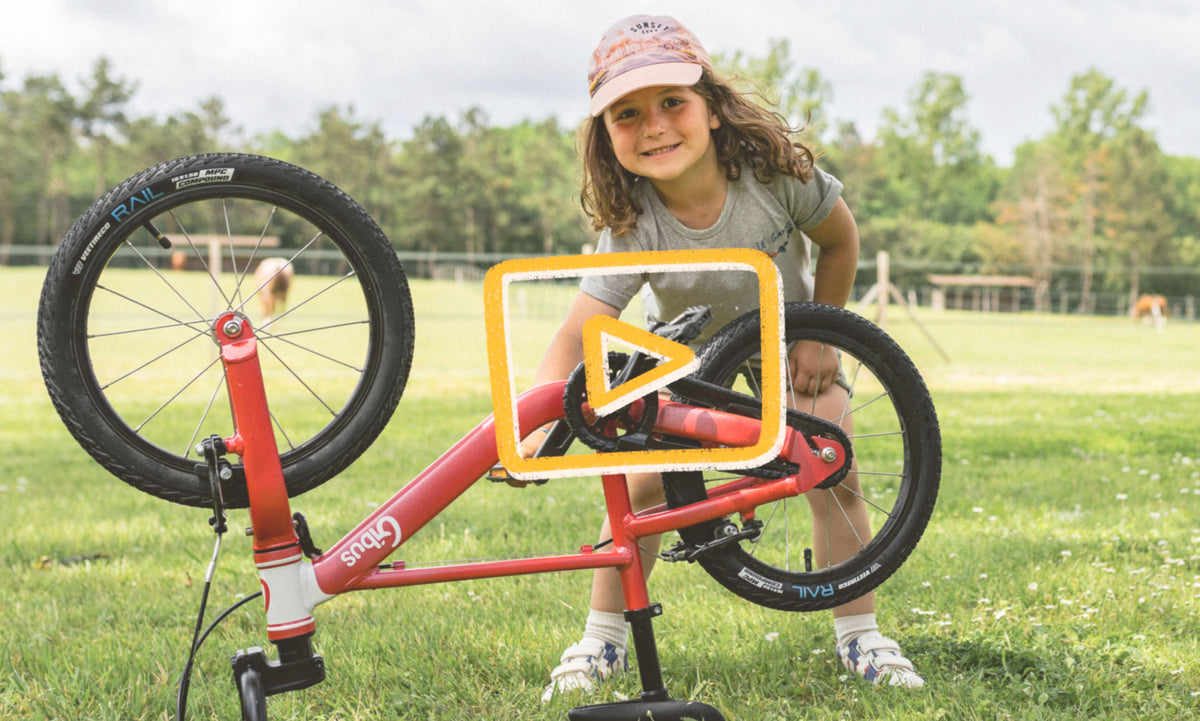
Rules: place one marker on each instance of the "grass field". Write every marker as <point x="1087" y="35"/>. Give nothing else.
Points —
<point x="1059" y="578"/>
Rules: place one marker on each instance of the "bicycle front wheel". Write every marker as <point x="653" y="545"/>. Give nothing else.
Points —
<point x="831" y="545"/>
<point x="125" y="333"/>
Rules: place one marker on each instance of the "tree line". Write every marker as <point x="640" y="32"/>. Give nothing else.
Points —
<point x="1094" y="205"/>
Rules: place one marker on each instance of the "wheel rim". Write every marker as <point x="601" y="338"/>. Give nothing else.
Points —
<point x="880" y="485"/>
<point x="149" y="354"/>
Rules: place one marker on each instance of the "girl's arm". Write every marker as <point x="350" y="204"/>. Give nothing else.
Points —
<point x="837" y="237"/>
<point x="814" y="367"/>
<point x="566" y="351"/>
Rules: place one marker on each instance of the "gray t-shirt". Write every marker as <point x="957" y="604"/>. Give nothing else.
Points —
<point x="770" y="217"/>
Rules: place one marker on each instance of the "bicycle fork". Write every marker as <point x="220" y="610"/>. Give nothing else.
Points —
<point x="289" y="586"/>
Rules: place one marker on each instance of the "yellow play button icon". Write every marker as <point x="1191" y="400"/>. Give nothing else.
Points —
<point x="598" y="332"/>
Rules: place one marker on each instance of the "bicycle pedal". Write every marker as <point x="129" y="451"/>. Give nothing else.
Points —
<point x="500" y="474"/>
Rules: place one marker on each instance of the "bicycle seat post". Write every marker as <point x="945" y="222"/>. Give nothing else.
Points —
<point x="654" y="701"/>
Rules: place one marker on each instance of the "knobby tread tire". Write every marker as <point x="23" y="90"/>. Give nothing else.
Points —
<point x="767" y="585"/>
<point x="79" y="261"/>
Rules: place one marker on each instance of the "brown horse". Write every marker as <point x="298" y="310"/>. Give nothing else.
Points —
<point x="1152" y="307"/>
<point x="272" y="278"/>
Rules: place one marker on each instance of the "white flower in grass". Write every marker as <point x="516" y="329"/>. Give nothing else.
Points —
<point x="1033" y="586"/>
<point x="1122" y="496"/>
<point x="772" y="636"/>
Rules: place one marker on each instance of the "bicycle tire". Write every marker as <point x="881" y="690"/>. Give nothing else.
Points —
<point x="902" y="431"/>
<point x="252" y="697"/>
<point x="121" y="337"/>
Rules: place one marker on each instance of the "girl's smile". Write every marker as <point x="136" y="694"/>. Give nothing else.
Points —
<point x="663" y="133"/>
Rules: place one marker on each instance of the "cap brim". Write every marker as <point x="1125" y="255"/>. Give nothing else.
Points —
<point x="648" y="76"/>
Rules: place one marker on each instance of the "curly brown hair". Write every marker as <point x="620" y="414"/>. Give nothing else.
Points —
<point x="749" y="135"/>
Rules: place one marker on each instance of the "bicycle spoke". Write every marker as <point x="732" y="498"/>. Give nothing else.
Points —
<point x="181" y="324"/>
<point x="313" y="352"/>
<point x="191" y="444"/>
<point x="150" y="362"/>
<point x="173" y="319"/>
<point x="237" y="289"/>
<point x="331" y="326"/>
<point x="290" y="260"/>
<point x="310" y="298"/>
<point x="254" y="252"/>
<point x="168" y="283"/>
<point x="279" y="427"/>
<point x="846" y="516"/>
<point x="138" y="427"/>
<point x="211" y="275"/>
<point x="300" y="380"/>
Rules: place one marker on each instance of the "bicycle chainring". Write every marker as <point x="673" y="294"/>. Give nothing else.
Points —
<point x="601" y="432"/>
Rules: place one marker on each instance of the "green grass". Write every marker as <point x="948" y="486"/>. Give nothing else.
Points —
<point x="1059" y="578"/>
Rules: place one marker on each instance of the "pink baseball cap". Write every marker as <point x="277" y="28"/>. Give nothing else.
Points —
<point x="640" y="52"/>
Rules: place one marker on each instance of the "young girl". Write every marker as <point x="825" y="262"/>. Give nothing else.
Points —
<point x="674" y="158"/>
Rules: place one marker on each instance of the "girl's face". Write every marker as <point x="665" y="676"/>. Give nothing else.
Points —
<point x="663" y="133"/>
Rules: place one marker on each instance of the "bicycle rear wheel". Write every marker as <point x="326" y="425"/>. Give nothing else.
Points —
<point x="881" y="508"/>
<point x="125" y="327"/>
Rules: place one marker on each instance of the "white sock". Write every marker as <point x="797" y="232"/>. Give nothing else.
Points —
<point x="848" y="628"/>
<point x="608" y="627"/>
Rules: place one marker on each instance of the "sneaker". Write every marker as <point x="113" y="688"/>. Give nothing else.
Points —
<point x="583" y="664"/>
<point x="878" y="659"/>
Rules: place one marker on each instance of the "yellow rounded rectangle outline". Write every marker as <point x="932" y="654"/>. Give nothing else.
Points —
<point x="504" y="395"/>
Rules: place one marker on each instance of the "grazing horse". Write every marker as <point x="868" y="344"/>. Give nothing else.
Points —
<point x="1152" y="307"/>
<point x="272" y="278"/>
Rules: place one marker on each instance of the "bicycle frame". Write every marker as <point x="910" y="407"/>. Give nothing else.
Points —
<point x="293" y="587"/>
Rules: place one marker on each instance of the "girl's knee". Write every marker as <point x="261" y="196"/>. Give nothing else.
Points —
<point x="645" y="490"/>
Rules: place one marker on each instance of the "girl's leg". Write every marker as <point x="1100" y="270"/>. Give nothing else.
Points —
<point x="841" y="527"/>
<point x="645" y="490"/>
<point x="601" y="651"/>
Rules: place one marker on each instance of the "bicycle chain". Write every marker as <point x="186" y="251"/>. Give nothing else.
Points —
<point x="599" y="433"/>
<point x="696" y="392"/>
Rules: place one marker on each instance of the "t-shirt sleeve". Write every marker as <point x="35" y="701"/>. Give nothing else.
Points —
<point x="614" y="289"/>
<point x="812" y="202"/>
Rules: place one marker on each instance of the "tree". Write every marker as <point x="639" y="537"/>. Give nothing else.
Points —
<point x="355" y="155"/>
<point x="101" y="115"/>
<point x="1137" y="227"/>
<point x="1089" y="118"/>
<point x="44" y="117"/>
<point x="935" y="166"/>
<point x="800" y="96"/>
<point x="545" y="181"/>
<point x="1035" y="207"/>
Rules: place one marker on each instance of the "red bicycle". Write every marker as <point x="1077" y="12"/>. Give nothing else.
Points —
<point x="142" y="362"/>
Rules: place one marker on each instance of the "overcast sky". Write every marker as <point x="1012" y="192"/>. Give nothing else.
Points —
<point x="277" y="63"/>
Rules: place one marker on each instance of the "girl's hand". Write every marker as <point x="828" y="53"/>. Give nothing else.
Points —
<point x="812" y="366"/>
<point x="531" y="443"/>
